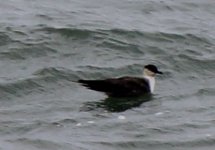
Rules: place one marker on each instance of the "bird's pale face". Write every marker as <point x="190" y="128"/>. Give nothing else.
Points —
<point x="147" y="72"/>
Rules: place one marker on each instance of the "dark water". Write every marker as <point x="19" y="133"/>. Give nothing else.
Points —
<point x="46" y="45"/>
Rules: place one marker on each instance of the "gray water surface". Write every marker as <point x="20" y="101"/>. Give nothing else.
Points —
<point x="47" y="45"/>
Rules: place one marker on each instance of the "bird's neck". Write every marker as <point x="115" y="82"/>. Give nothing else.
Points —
<point x="151" y="80"/>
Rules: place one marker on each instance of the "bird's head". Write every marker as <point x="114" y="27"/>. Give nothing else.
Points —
<point x="151" y="70"/>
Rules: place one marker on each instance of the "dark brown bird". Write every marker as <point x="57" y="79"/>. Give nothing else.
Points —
<point x="125" y="86"/>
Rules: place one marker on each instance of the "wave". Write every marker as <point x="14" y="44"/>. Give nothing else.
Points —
<point x="160" y="144"/>
<point x="42" y="81"/>
<point x="134" y="43"/>
<point x="79" y="33"/>
<point x="27" y="52"/>
<point x="4" y="39"/>
<point x="69" y="32"/>
<point x="43" y="144"/>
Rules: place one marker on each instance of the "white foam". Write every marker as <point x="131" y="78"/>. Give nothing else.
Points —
<point x="208" y="135"/>
<point x="159" y="114"/>
<point x="121" y="117"/>
<point x="78" y="124"/>
<point x="91" y="122"/>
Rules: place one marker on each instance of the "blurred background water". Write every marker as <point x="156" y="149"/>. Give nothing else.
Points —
<point x="46" y="45"/>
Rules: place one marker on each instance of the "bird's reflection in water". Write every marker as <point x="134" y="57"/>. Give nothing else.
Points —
<point x="113" y="104"/>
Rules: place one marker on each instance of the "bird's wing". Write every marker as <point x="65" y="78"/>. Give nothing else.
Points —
<point x="133" y="85"/>
<point x="118" y="86"/>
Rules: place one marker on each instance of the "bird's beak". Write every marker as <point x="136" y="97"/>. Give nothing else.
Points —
<point x="159" y="72"/>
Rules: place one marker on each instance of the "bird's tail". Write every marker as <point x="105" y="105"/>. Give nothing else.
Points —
<point x="98" y="85"/>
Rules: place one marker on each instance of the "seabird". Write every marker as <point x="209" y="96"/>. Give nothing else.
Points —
<point x="126" y="86"/>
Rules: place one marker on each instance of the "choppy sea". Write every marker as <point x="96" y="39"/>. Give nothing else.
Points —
<point x="47" y="45"/>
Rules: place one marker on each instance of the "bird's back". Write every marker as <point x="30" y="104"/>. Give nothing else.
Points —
<point x="119" y="87"/>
